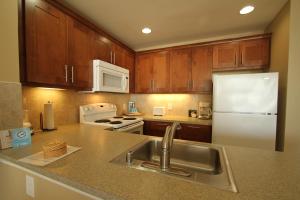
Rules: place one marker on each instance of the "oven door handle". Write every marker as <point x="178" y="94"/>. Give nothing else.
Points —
<point x="129" y="127"/>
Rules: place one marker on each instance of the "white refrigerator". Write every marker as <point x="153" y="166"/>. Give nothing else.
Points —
<point x="245" y="110"/>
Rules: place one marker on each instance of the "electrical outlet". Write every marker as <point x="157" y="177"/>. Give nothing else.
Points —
<point x="170" y="106"/>
<point x="30" y="186"/>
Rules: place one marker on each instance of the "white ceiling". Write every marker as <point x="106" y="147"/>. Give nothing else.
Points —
<point x="175" y="21"/>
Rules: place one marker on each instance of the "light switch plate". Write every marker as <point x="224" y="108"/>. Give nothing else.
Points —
<point x="30" y="186"/>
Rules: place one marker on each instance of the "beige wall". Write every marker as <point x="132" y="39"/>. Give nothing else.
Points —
<point x="66" y="103"/>
<point x="279" y="63"/>
<point x="292" y="129"/>
<point x="9" y="59"/>
<point x="181" y="103"/>
<point x="12" y="187"/>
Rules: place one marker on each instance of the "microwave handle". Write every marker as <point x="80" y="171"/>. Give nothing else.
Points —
<point x="125" y="82"/>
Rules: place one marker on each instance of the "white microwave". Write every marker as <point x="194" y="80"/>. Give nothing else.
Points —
<point x="109" y="78"/>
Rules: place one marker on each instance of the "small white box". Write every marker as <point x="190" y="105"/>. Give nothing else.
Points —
<point x="5" y="139"/>
<point x="159" y="111"/>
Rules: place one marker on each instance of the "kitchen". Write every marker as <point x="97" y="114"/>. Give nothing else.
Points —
<point x="171" y="88"/>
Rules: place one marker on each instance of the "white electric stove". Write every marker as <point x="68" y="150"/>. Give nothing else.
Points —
<point x="105" y="114"/>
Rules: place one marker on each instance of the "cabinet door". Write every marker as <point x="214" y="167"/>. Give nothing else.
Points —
<point x="101" y="48"/>
<point x="157" y="128"/>
<point x="202" y="69"/>
<point x="180" y="63"/>
<point x="161" y="72"/>
<point x="130" y="66"/>
<point x="144" y="74"/>
<point x="46" y="43"/>
<point x="197" y="133"/>
<point x="225" y="56"/>
<point x="255" y="53"/>
<point x="80" y="57"/>
<point x="119" y="55"/>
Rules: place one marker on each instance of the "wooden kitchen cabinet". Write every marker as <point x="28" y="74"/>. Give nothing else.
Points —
<point x="180" y="67"/>
<point x="143" y="73"/>
<point x="153" y="72"/>
<point x="255" y="53"/>
<point x="129" y="64"/>
<point x="193" y="132"/>
<point x="119" y="55"/>
<point x="79" y="54"/>
<point x="225" y="55"/>
<point x="46" y="44"/>
<point x="101" y="48"/>
<point x="202" y="69"/>
<point x="156" y="128"/>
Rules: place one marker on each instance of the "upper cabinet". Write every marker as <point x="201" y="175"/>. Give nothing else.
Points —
<point x="152" y="72"/>
<point x="46" y="44"/>
<point x="79" y="55"/>
<point x="245" y="54"/>
<point x="180" y="61"/>
<point x="255" y="53"/>
<point x="60" y="47"/>
<point x="201" y="74"/>
<point x="225" y="56"/>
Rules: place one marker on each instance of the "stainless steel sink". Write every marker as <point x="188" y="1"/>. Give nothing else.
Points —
<point x="191" y="161"/>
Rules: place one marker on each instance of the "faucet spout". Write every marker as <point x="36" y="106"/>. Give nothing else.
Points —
<point x="166" y="146"/>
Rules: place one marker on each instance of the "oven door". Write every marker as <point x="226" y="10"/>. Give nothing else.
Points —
<point x="136" y="128"/>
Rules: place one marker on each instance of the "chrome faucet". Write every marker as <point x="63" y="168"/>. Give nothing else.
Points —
<point x="166" y="146"/>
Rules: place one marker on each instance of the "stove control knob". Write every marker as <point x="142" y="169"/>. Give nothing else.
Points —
<point x="86" y="109"/>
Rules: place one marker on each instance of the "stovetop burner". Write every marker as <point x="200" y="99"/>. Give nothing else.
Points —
<point x="102" y="121"/>
<point x="116" y="122"/>
<point x="118" y="117"/>
<point x="129" y="118"/>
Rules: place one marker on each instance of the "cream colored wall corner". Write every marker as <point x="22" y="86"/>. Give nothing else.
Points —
<point x="292" y="125"/>
<point x="279" y="63"/>
<point x="9" y="52"/>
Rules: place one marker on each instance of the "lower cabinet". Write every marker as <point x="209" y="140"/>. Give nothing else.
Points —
<point x="192" y="132"/>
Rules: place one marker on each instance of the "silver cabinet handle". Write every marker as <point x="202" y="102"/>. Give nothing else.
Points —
<point x="66" y="73"/>
<point x="111" y="57"/>
<point x="72" y="70"/>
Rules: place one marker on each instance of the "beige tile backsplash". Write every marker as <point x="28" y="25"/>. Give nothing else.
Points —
<point x="180" y="103"/>
<point x="65" y="102"/>
<point x="10" y="105"/>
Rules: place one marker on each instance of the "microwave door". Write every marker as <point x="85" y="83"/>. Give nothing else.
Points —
<point x="111" y="81"/>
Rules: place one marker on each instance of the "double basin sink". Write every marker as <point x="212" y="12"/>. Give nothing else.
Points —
<point x="191" y="161"/>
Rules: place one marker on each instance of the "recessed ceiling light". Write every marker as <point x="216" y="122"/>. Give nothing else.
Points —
<point x="146" y="30"/>
<point x="246" y="10"/>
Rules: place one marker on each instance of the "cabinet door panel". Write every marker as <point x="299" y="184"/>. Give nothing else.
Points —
<point x="202" y="69"/>
<point x="46" y="43"/>
<point x="119" y="55"/>
<point x="161" y="72"/>
<point x="255" y="53"/>
<point x="144" y="73"/>
<point x="156" y="128"/>
<point x="101" y="48"/>
<point x="225" y="55"/>
<point x="180" y="63"/>
<point x="197" y="133"/>
<point x="130" y="66"/>
<point x="80" y="57"/>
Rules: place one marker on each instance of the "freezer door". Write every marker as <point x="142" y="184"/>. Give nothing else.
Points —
<point x="246" y="93"/>
<point x="247" y="130"/>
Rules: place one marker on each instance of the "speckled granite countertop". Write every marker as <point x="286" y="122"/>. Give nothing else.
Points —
<point x="177" y="118"/>
<point x="259" y="175"/>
